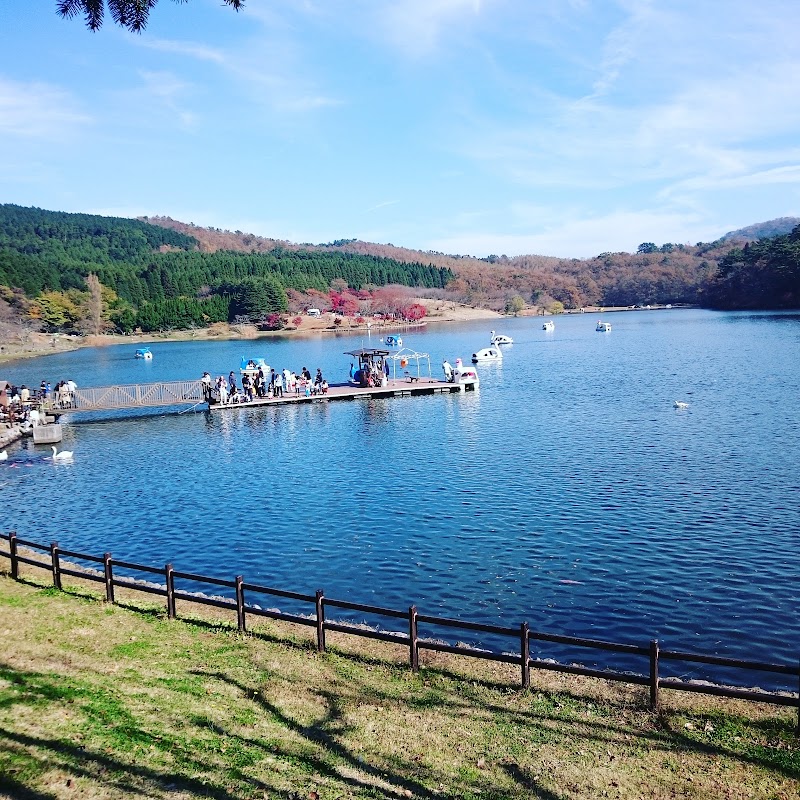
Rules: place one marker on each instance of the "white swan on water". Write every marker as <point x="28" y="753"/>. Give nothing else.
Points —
<point x="64" y="455"/>
<point x="680" y="404"/>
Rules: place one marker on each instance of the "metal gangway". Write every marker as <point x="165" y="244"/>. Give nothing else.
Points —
<point x="137" y="395"/>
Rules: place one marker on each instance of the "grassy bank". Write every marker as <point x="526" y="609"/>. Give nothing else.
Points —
<point x="117" y="701"/>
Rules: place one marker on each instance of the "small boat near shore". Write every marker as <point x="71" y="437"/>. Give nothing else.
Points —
<point x="144" y="353"/>
<point x="549" y="325"/>
<point x="603" y="327"/>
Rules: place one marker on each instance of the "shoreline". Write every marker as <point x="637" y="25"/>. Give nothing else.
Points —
<point x="36" y="345"/>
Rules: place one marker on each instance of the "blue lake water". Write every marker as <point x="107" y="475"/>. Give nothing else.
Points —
<point x="568" y="492"/>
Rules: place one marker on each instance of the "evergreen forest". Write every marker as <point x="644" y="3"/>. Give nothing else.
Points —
<point x="156" y="278"/>
<point x="88" y="273"/>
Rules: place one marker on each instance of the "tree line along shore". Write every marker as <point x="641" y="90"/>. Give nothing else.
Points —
<point x="87" y="274"/>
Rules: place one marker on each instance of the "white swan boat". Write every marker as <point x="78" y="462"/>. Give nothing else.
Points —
<point x="549" y="325"/>
<point x="492" y="353"/>
<point x="604" y="327"/>
<point x="465" y="375"/>
<point x="499" y="338"/>
<point x="144" y="352"/>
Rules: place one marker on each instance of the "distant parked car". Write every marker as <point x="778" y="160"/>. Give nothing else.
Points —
<point x="313" y="312"/>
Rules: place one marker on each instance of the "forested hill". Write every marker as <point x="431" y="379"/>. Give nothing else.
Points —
<point x="759" y="275"/>
<point x="156" y="277"/>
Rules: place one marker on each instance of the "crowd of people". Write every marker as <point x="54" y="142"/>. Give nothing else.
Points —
<point x="258" y="385"/>
<point x="21" y="404"/>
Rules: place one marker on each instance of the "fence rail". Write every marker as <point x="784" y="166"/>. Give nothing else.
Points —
<point x="522" y="636"/>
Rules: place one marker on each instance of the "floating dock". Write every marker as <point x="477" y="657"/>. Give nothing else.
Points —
<point x="395" y="388"/>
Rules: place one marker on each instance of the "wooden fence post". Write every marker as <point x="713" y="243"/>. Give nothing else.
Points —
<point x="320" y="622"/>
<point x="170" y="575"/>
<point x="108" y="574"/>
<point x="56" y="565"/>
<point x="12" y="548"/>
<point x="654" y="674"/>
<point x="240" y="620"/>
<point x="525" y="651"/>
<point x="412" y="638"/>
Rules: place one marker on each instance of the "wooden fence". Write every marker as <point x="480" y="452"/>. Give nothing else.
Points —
<point x="317" y="618"/>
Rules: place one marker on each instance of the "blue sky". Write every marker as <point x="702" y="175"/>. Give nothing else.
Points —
<point x="556" y="127"/>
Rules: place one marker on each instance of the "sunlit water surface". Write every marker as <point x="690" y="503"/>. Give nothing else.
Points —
<point x="568" y="492"/>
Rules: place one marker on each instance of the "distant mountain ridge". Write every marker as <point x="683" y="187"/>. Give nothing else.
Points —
<point x="669" y="273"/>
<point x="212" y="239"/>
<point x="763" y="230"/>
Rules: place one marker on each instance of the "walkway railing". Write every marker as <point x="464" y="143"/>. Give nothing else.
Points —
<point x="521" y="637"/>
<point x="139" y="395"/>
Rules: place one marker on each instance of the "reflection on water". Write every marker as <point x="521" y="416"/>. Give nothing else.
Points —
<point x="568" y="491"/>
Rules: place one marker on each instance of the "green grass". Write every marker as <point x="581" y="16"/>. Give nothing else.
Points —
<point x="102" y="701"/>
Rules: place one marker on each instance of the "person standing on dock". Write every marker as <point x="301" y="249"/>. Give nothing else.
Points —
<point x="206" y="382"/>
<point x="278" y="384"/>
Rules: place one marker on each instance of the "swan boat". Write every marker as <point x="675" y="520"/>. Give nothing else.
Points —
<point x="144" y="352"/>
<point x="492" y="353"/>
<point x="499" y="338"/>
<point x="465" y="375"/>
<point x="549" y="325"/>
<point x="604" y="327"/>
<point x="251" y="366"/>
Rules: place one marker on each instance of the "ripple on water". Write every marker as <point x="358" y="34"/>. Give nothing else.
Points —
<point x="568" y="492"/>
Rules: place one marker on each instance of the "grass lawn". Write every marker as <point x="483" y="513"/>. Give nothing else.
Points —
<point x="109" y="701"/>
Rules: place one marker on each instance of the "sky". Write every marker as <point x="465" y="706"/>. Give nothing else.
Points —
<point x="554" y="127"/>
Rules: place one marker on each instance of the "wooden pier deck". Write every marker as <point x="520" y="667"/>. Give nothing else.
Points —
<point x="153" y="395"/>
<point x="346" y="391"/>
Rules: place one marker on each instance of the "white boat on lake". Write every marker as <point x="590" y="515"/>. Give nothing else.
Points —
<point x="144" y="352"/>
<point x="549" y="325"/>
<point x="492" y="353"/>
<point x="604" y="327"/>
<point x="465" y="375"/>
<point x="499" y="338"/>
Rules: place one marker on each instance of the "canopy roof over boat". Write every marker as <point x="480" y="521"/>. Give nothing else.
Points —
<point x="405" y="356"/>
<point x="367" y="352"/>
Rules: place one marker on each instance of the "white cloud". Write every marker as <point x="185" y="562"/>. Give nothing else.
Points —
<point x="196" y="50"/>
<point x="38" y="110"/>
<point x="169" y="92"/>
<point x="416" y="26"/>
<point x="582" y="238"/>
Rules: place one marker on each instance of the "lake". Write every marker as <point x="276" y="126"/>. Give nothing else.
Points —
<point x="568" y="492"/>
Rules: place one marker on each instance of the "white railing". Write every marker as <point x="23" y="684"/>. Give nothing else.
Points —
<point x="139" y="395"/>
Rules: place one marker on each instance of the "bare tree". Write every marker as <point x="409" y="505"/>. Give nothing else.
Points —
<point x="94" y="317"/>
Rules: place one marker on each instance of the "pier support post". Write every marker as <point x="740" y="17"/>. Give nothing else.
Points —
<point x="320" y="598"/>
